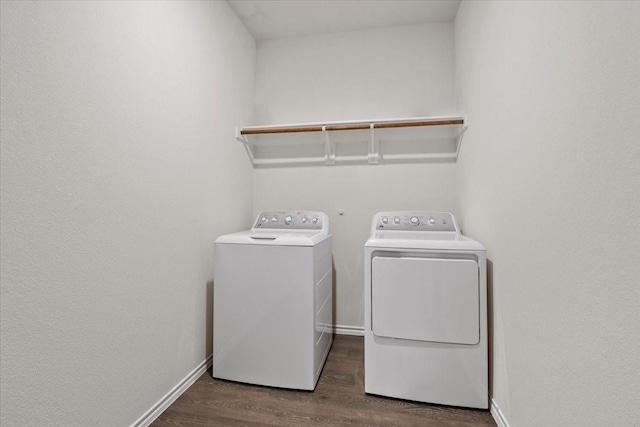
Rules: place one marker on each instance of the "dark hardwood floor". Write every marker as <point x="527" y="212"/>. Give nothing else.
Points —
<point x="339" y="400"/>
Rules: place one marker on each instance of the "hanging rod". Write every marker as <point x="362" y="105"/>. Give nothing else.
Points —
<point x="350" y="126"/>
<point x="258" y="131"/>
<point x="422" y="123"/>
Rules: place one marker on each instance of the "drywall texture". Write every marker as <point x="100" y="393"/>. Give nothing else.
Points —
<point x="119" y="170"/>
<point x="548" y="179"/>
<point x="391" y="72"/>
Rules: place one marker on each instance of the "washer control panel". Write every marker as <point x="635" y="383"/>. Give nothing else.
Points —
<point x="299" y="220"/>
<point x="415" y="221"/>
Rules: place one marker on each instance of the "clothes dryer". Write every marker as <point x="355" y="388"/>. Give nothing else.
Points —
<point x="273" y="299"/>
<point x="425" y="311"/>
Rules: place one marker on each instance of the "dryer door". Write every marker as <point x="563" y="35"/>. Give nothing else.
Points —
<point x="426" y="299"/>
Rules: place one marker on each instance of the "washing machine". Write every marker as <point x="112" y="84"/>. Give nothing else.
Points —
<point x="425" y="311"/>
<point x="273" y="301"/>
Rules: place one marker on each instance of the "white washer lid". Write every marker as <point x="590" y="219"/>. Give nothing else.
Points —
<point x="274" y="237"/>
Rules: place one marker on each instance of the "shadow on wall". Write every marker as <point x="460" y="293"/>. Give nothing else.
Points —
<point x="209" y="329"/>
<point x="490" y="321"/>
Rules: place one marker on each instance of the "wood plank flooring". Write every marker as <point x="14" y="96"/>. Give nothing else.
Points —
<point x="339" y="400"/>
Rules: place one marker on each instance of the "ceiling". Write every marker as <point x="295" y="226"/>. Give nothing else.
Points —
<point x="272" y="19"/>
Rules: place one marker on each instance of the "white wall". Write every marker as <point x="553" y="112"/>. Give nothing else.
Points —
<point x="383" y="73"/>
<point x="119" y="169"/>
<point x="549" y="181"/>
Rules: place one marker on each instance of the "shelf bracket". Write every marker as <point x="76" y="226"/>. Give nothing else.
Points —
<point x="374" y="147"/>
<point x="463" y="129"/>
<point x="329" y="148"/>
<point x="245" y="142"/>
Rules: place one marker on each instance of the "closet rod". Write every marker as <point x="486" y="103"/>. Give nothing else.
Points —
<point x="258" y="131"/>
<point x="423" y="123"/>
<point x="362" y="126"/>
<point x="355" y="126"/>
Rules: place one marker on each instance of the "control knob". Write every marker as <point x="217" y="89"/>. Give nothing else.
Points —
<point x="385" y="220"/>
<point x="314" y="220"/>
<point x="432" y="221"/>
<point x="304" y="220"/>
<point x="264" y="219"/>
<point x="396" y="220"/>
<point x="274" y="219"/>
<point x="414" y="220"/>
<point x="288" y="219"/>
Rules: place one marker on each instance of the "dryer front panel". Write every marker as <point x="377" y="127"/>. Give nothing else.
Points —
<point x="425" y="299"/>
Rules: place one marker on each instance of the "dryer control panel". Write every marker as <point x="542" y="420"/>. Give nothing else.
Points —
<point x="415" y="221"/>
<point x="287" y="220"/>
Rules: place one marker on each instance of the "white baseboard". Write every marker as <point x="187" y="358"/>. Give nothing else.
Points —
<point x="348" y="330"/>
<point x="497" y="414"/>
<point x="166" y="400"/>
